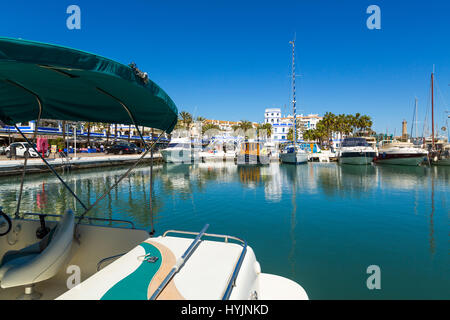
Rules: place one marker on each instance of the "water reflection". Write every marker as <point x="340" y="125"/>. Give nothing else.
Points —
<point x="300" y="213"/>
<point x="43" y="193"/>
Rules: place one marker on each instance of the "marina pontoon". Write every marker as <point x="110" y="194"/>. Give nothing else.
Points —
<point x="72" y="255"/>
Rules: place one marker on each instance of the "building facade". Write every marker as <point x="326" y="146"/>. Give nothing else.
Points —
<point x="281" y="125"/>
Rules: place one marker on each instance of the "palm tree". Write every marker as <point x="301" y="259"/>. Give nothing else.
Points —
<point x="201" y="119"/>
<point x="309" y="135"/>
<point x="186" y="119"/>
<point x="329" y="123"/>
<point x="290" y="135"/>
<point x="267" y="127"/>
<point x="364" y="123"/>
<point x="342" y="124"/>
<point x="210" y="126"/>
<point x="245" y="125"/>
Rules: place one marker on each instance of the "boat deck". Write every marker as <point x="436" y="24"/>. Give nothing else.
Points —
<point x="204" y="276"/>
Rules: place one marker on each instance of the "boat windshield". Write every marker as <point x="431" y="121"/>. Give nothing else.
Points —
<point x="292" y="148"/>
<point x="355" y="142"/>
<point x="179" y="145"/>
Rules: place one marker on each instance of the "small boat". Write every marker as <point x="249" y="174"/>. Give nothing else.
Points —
<point x="356" y="151"/>
<point x="213" y="152"/>
<point x="400" y="153"/>
<point x="69" y="256"/>
<point x="442" y="156"/>
<point x="212" y="155"/>
<point x="179" y="150"/>
<point x="292" y="153"/>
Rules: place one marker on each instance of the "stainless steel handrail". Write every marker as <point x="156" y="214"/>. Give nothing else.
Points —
<point x="86" y="218"/>
<point x="180" y="262"/>
<point x="226" y="237"/>
<point x="232" y="281"/>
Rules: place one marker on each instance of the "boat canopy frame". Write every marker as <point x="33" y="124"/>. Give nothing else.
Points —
<point x="86" y="69"/>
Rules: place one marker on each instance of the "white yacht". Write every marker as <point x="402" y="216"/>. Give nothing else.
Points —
<point x="68" y="256"/>
<point x="293" y="154"/>
<point x="356" y="151"/>
<point x="179" y="150"/>
<point x="400" y="153"/>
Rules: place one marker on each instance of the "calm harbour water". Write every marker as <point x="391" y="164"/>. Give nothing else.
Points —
<point x="319" y="224"/>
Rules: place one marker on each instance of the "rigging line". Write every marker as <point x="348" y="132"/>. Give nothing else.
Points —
<point x="130" y="114"/>
<point x="440" y="93"/>
<point x="121" y="178"/>
<point x="50" y="167"/>
<point x="414" y="118"/>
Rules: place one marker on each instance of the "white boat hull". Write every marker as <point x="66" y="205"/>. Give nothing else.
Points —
<point x="408" y="161"/>
<point x="443" y="162"/>
<point x="294" y="157"/>
<point x="206" y="156"/>
<point x="355" y="160"/>
<point x="177" y="155"/>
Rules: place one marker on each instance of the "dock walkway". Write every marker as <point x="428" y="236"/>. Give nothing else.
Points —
<point x="15" y="166"/>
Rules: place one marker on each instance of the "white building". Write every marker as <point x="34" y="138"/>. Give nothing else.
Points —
<point x="272" y="116"/>
<point x="281" y="125"/>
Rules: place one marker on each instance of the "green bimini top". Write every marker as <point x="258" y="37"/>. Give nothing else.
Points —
<point x="78" y="86"/>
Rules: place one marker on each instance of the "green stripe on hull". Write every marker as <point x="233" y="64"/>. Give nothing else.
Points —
<point x="135" y="285"/>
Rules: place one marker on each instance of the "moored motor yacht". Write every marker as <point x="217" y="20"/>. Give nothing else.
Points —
<point x="400" y="153"/>
<point x="356" y="151"/>
<point x="179" y="150"/>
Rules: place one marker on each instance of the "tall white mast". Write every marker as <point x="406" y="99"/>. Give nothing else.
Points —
<point x="293" y="89"/>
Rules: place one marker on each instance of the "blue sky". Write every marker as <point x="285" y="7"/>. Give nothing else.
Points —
<point x="230" y="60"/>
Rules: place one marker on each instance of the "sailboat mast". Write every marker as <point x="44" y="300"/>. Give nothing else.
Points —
<point x="415" y="117"/>
<point x="432" y="108"/>
<point x="293" y="91"/>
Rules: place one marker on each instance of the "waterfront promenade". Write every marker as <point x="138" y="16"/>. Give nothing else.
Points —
<point x="82" y="160"/>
